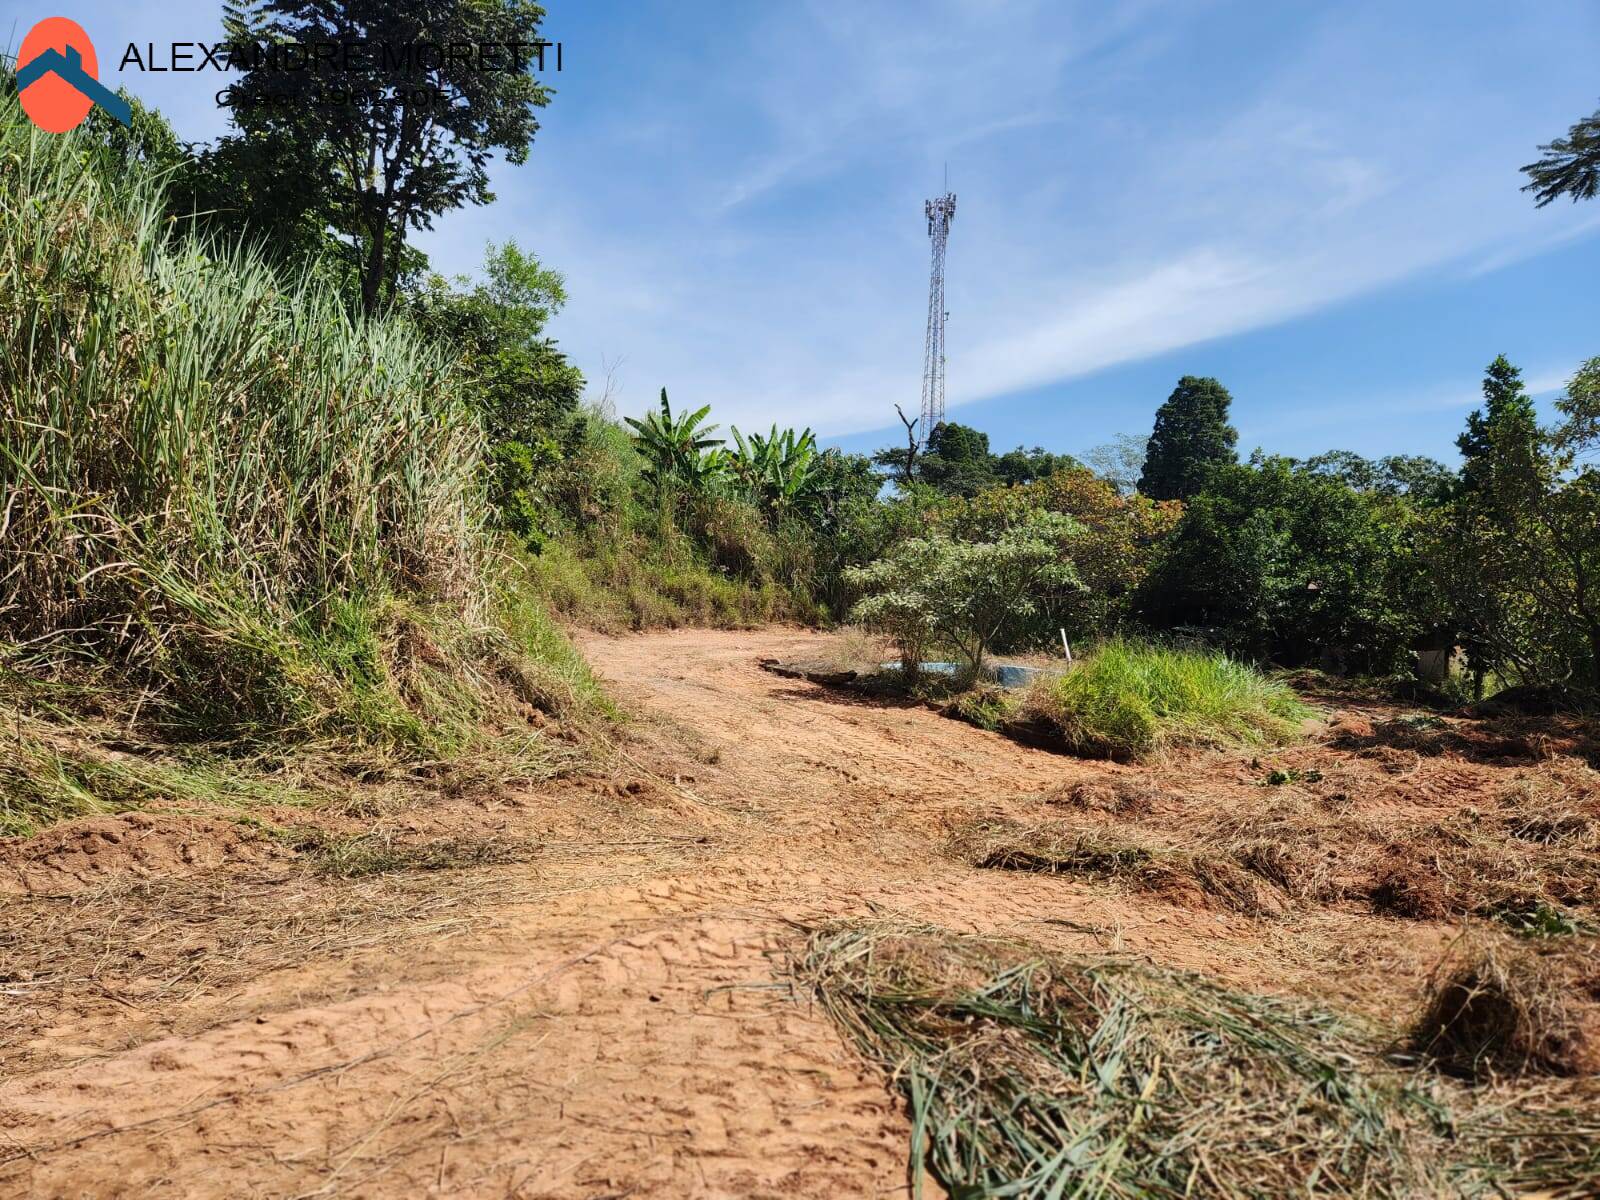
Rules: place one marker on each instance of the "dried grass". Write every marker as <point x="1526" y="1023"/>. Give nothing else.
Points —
<point x="1118" y="797"/>
<point x="383" y="853"/>
<point x="1528" y="859"/>
<point x="1492" y="1009"/>
<point x="1030" y="1074"/>
<point x="1196" y="879"/>
<point x="1043" y="1076"/>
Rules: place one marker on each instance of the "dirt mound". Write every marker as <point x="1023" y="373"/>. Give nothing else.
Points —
<point x="824" y="673"/>
<point x="78" y="855"/>
<point x="1525" y="1010"/>
<point x="1545" y="700"/>
<point x="1411" y="890"/>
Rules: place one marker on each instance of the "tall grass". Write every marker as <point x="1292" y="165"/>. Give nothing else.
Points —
<point x="258" y="514"/>
<point x="1131" y="699"/>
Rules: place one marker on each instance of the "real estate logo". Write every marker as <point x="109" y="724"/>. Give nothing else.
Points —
<point x="58" y="77"/>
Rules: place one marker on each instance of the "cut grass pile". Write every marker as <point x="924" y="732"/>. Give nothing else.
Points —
<point x="1443" y="870"/>
<point x="1032" y="1075"/>
<point x="1257" y="862"/>
<point x="1098" y="1077"/>
<point x="57" y="765"/>
<point x="1526" y="858"/>
<point x="1130" y="700"/>
<point x="1200" y="878"/>
<point x="44" y="780"/>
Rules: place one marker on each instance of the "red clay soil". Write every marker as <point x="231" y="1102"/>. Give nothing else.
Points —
<point x="610" y="1018"/>
<point x="91" y="852"/>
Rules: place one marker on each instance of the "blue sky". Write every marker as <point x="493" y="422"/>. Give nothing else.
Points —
<point x="1318" y="204"/>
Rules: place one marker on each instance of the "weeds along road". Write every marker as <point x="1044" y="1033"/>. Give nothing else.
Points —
<point x="610" y="1018"/>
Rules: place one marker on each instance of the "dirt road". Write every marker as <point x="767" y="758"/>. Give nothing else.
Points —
<point x="609" y="1019"/>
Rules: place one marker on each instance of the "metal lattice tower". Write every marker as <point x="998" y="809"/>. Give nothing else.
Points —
<point x="939" y="212"/>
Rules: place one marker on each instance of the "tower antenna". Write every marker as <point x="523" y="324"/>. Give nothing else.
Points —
<point x="939" y="213"/>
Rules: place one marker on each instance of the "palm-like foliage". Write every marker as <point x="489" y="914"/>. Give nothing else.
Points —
<point x="776" y="468"/>
<point x="679" y="447"/>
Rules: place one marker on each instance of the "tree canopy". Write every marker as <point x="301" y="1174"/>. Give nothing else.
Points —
<point x="1569" y="166"/>
<point x="1191" y="438"/>
<point x="379" y="144"/>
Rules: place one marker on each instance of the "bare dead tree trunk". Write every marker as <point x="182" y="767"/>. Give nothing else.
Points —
<point x="912" y="445"/>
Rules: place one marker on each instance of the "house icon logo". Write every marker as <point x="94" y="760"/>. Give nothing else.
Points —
<point x="57" y="77"/>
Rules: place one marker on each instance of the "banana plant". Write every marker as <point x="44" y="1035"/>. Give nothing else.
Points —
<point x="679" y="447"/>
<point x="776" y="469"/>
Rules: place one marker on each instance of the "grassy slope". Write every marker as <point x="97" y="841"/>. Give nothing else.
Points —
<point x="237" y="520"/>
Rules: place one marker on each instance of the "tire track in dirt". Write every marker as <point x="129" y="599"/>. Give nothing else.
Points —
<point x="618" y="1039"/>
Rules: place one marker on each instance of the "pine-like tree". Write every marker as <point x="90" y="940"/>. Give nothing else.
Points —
<point x="1192" y="436"/>
<point x="1570" y="166"/>
<point x="1507" y="422"/>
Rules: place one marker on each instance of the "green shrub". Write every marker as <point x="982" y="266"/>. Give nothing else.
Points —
<point x="1293" y="565"/>
<point x="968" y="595"/>
<point x="1130" y="700"/>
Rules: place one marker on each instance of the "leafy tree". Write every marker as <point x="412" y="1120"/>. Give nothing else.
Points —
<point x="1506" y="420"/>
<point x="1192" y="437"/>
<point x="1518" y="551"/>
<point x="523" y="386"/>
<point x="413" y="134"/>
<point x="1114" y="541"/>
<point x="1570" y="165"/>
<point x="1028" y="466"/>
<point x="1348" y="467"/>
<point x="1120" y="461"/>
<point x="967" y="594"/>
<point x="1424" y="479"/>
<point x="957" y="460"/>
<point x="1580" y="432"/>
<point x="1286" y="564"/>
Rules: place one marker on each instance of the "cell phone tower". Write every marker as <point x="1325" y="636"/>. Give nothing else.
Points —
<point x="939" y="213"/>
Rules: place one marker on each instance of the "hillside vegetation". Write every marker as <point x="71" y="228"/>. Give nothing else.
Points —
<point x="234" y="512"/>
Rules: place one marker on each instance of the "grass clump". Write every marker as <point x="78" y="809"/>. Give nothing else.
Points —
<point x="1045" y="1076"/>
<point x="1130" y="700"/>
<point x="986" y="705"/>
